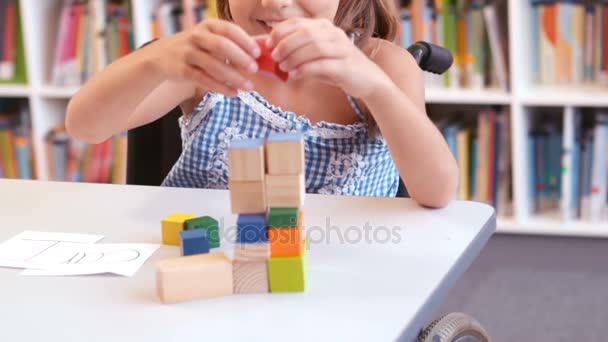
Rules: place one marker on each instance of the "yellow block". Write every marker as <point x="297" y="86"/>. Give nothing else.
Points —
<point x="172" y="225"/>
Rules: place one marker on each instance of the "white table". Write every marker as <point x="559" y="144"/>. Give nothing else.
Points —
<point x="356" y="291"/>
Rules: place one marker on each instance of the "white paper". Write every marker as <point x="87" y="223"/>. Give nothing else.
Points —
<point x="35" y="249"/>
<point x="121" y="259"/>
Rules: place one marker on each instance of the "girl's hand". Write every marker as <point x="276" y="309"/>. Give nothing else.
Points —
<point x="317" y="48"/>
<point x="216" y="54"/>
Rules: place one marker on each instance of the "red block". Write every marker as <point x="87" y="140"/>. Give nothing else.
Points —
<point x="266" y="63"/>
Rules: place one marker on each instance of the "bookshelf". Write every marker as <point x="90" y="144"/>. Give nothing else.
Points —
<point x="47" y="102"/>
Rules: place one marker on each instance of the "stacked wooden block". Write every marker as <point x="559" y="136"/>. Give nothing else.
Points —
<point x="268" y="254"/>
<point x="285" y="190"/>
<point x="197" y="274"/>
<point x="267" y="192"/>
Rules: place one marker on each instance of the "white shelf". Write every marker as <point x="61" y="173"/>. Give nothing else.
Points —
<point x="54" y="92"/>
<point x="581" y="96"/>
<point x="467" y="96"/>
<point x="552" y="225"/>
<point x="7" y="90"/>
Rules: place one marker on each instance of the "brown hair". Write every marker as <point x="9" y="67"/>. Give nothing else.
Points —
<point x="368" y="18"/>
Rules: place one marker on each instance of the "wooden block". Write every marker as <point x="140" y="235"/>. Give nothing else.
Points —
<point x="171" y="226"/>
<point x="283" y="217"/>
<point x="286" y="274"/>
<point x="286" y="241"/>
<point x="285" y="154"/>
<point x="285" y="191"/>
<point x="251" y="228"/>
<point x="210" y="225"/>
<point x="194" y="277"/>
<point x="252" y="251"/>
<point x="250" y="277"/>
<point x="247" y="197"/>
<point x="246" y="160"/>
<point x="194" y="242"/>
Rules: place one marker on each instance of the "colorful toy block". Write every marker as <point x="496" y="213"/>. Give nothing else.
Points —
<point x="171" y="226"/>
<point x="250" y="277"/>
<point x="210" y="225"/>
<point x="246" y="160"/>
<point x="194" y="242"/>
<point x="285" y="154"/>
<point x="251" y="228"/>
<point x="194" y="277"/>
<point x="266" y="64"/>
<point x="252" y="251"/>
<point x="285" y="191"/>
<point x="286" y="274"/>
<point x="286" y="241"/>
<point x="283" y="217"/>
<point x="247" y="197"/>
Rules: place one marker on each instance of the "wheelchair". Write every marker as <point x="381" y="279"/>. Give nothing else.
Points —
<point x="153" y="149"/>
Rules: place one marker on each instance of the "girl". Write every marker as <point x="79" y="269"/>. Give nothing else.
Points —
<point x="359" y="99"/>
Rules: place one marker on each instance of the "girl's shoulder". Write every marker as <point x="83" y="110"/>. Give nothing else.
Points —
<point x="392" y="58"/>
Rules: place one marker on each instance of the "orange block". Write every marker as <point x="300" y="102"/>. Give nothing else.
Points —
<point x="286" y="241"/>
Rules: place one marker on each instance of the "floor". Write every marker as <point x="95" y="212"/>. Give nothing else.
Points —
<point x="524" y="288"/>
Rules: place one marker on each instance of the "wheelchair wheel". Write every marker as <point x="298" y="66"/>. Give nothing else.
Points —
<point x="455" y="327"/>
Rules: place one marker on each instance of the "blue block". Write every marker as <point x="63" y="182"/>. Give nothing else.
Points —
<point x="251" y="228"/>
<point x="246" y="143"/>
<point x="284" y="137"/>
<point x="194" y="241"/>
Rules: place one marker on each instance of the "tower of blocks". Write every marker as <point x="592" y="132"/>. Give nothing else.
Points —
<point x="269" y="251"/>
<point x="267" y="193"/>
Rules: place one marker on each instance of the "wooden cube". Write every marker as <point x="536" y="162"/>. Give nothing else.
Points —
<point x="247" y="197"/>
<point x="251" y="228"/>
<point x="210" y="225"/>
<point x="285" y="154"/>
<point x="287" y="274"/>
<point x="194" y="242"/>
<point x="286" y="241"/>
<point x="194" y="277"/>
<point x="252" y="251"/>
<point x="283" y="217"/>
<point x="246" y="160"/>
<point x="250" y="277"/>
<point x="171" y="226"/>
<point x="286" y="191"/>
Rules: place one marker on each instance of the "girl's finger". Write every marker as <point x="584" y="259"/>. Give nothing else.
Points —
<point x="284" y="29"/>
<point x="225" y="49"/>
<point x="324" y="69"/>
<point x="236" y="34"/>
<point x="293" y="41"/>
<point x="200" y="76"/>
<point x="220" y="71"/>
<point x="314" y="50"/>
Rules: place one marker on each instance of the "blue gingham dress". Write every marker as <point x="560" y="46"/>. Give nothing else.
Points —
<point x="340" y="159"/>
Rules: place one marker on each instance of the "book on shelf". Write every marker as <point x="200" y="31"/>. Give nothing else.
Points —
<point x="569" y="42"/>
<point x="12" y="58"/>
<point x="91" y="34"/>
<point x="570" y="165"/>
<point x="474" y="31"/>
<point x="172" y="16"/>
<point x="16" y="152"/>
<point x="483" y="153"/>
<point x="73" y="161"/>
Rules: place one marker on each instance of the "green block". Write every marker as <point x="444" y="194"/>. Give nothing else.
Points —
<point x="286" y="274"/>
<point x="210" y="225"/>
<point x="283" y="217"/>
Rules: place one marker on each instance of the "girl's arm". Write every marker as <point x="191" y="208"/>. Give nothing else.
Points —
<point x="392" y="88"/>
<point x="146" y="84"/>
<point x="419" y="150"/>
